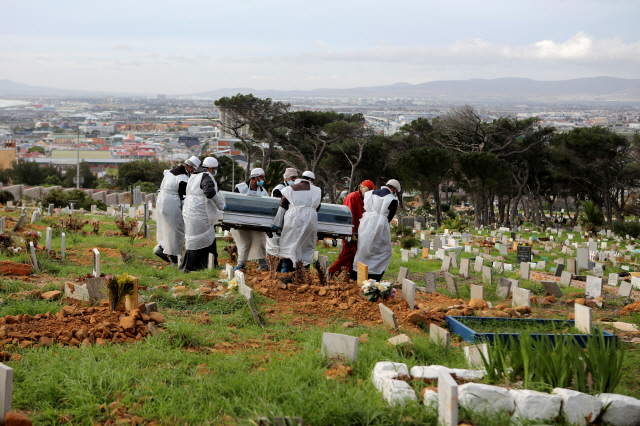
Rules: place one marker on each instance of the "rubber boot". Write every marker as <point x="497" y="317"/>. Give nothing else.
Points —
<point x="263" y="265"/>
<point x="159" y="251"/>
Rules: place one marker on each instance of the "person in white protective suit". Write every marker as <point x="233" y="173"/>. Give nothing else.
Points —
<point x="251" y="244"/>
<point x="374" y="233"/>
<point x="300" y="227"/>
<point x="203" y="207"/>
<point x="273" y="243"/>
<point x="169" y="222"/>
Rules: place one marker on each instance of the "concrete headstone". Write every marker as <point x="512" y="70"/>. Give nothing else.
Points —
<point x="339" y="346"/>
<point x="409" y="292"/>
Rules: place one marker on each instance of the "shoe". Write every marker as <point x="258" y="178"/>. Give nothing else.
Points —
<point x="173" y="259"/>
<point x="159" y="251"/>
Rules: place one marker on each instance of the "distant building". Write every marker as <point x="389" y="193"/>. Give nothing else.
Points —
<point x="162" y="97"/>
<point x="188" y="141"/>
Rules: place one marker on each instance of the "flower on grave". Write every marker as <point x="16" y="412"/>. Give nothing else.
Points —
<point x="374" y="290"/>
<point x="232" y="285"/>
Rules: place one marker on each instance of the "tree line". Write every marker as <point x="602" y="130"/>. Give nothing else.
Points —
<point x="508" y="164"/>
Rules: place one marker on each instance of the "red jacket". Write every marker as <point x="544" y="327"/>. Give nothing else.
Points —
<point x="356" y="204"/>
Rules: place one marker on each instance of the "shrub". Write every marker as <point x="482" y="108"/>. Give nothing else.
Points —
<point x="626" y="228"/>
<point x="408" y="242"/>
<point x="6" y="196"/>
<point x="444" y="207"/>
<point x="60" y="198"/>
<point x="592" y="217"/>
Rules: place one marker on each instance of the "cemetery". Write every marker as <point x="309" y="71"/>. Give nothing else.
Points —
<point x="96" y="330"/>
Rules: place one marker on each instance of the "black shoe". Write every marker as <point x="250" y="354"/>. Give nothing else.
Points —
<point x="172" y="259"/>
<point x="159" y="251"/>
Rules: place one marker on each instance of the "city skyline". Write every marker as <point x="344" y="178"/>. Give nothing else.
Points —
<point x="284" y="45"/>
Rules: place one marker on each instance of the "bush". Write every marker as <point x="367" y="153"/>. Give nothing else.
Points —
<point x="6" y="196"/>
<point x="404" y="231"/>
<point x="408" y="242"/>
<point x="626" y="228"/>
<point x="592" y="217"/>
<point x="444" y="207"/>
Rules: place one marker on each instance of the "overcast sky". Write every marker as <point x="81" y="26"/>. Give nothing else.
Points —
<point x="188" y="46"/>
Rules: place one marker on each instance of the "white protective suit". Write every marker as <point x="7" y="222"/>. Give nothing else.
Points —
<point x="300" y="229"/>
<point x="201" y="214"/>
<point x="251" y="244"/>
<point x="374" y="234"/>
<point x="273" y="244"/>
<point x="170" y="224"/>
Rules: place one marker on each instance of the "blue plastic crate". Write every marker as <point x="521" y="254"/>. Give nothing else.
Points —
<point x="470" y="336"/>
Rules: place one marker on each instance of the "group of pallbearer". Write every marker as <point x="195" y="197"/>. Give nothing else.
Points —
<point x="189" y="206"/>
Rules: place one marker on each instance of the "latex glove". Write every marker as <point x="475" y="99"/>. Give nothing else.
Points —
<point x="238" y="267"/>
<point x="224" y="209"/>
<point x="275" y="228"/>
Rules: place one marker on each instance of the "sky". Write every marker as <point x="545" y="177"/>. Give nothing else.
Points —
<point x="190" y="46"/>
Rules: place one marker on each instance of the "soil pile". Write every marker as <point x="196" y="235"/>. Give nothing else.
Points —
<point x="74" y="326"/>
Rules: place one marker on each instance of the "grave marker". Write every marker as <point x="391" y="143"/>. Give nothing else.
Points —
<point x="388" y="317"/>
<point x="472" y="354"/>
<point x="437" y="244"/>
<point x="582" y="261"/>
<point x="551" y="287"/>
<point x="339" y="346"/>
<point x="404" y="255"/>
<point x="464" y="267"/>
<point x="524" y="270"/>
<point x="63" y="246"/>
<point x="75" y="291"/>
<point x="477" y="291"/>
<point x="19" y="223"/>
<point x="523" y="254"/>
<point x="454" y="259"/>
<point x="48" y="239"/>
<point x="2" y="225"/>
<point x="504" y="287"/>
<point x="452" y="288"/>
<point x="6" y="390"/>
<point x="131" y="301"/>
<point x="229" y="270"/>
<point x="363" y="273"/>
<point x="439" y="335"/>
<point x="559" y="269"/>
<point x="211" y="262"/>
<point x="565" y="278"/>
<point x="593" y="287"/>
<point x="521" y="297"/>
<point x="33" y="255"/>
<point x="97" y="289"/>
<point x="613" y="279"/>
<point x="487" y="274"/>
<point x="625" y="289"/>
<point x="446" y="264"/>
<point x="447" y="399"/>
<point x="583" y="318"/>
<point x="409" y="292"/>
<point x="96" y="263"/>
<point x="403" y="273"/>
<point x="504" y="250"/>
<point x="477" y="267"/>
<point x="430" y="282"/>
<point x="571" y="265"/>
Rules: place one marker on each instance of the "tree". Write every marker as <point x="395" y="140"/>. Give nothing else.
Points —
<point x="229" y="173"/>
<point x="31" y="174"/>
<point x="36" y="149"/>
<point x="141" y="171"/>
<point x="254" y="121"/>
<point x="425" y="169"/>
<point x="85" y="172"/>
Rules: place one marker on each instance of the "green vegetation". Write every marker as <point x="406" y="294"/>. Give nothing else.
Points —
<point x="519" y="327"/>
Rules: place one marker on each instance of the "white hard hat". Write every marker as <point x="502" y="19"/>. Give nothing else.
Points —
<point x="209" y="162"/>
<point x="257" y="172"/>
<point x="309" y="175"/>
<point x="193" y="161"/>
<point x="395" y="184"/>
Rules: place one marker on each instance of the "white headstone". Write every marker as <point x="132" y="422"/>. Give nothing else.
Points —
<point x="593" y="287"/>
<point x="487" y="274"/>
<point x="229" y="270"/>
<point x="439" y="335"/>
<point x="96" y="263"/>
<point x="524" y="270"/>
<point x="339" y="346"/>
<point x="388" y="317"/>
<point x="403" y="273"/>
<point x="211" y="262"/>
<point x="583" y="318"/>
<point x="447" y="399"/>
<point x="521" y="297"/>
<point x="472" y="354"/>
<point x="446" y="264"/>
<point x="6" y="389"/>
<point x="477" y="291"/>
<point x="613" y="279"/>
<point x="2" y="225"/>
<point x="465" y="264"/>
<point x="477" y="267"/>
<point x="409" y="292"/>
<point x="48" y="240"/>
<point x="33" y="255"/>
<point x="63" y="246"/>
<point x="625" y="289"/>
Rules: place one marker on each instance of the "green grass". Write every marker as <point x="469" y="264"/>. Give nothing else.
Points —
<point x="282" y="375"/>
<point x="531" y="327"/>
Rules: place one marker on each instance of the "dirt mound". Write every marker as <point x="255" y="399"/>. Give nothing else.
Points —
<point x="8" y="267"/>
<point x="342" y="298"/>
<point x="74" y="326"/>
<point x="634" y="307"/>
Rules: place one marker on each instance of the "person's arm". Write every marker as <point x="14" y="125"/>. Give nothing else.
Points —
<point x="236" y="189"/>
<point x="208" y="186"/>
<point x="276" y="193"/>
<point x="392" y="209"/>
<point x="182" y="190"/>
<point x="284" y="203"/>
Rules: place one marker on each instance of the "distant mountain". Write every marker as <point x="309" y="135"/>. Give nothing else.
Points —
<point x="11" y="88"/>
<point x="596" y="88"/>
<point x="508" y="88"/>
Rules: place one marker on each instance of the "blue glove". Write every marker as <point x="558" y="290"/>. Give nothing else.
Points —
<point x="238" y="267"/>
<point x="284" y="270"/>
<point x="224" y="209"/>
<point x="275" y="228"/>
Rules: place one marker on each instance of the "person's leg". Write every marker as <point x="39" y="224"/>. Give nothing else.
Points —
<point x="376" y="277"/>
<point x="287" y="265"/>
<point x="263" y="265"/>
<point x="158" y="250"/>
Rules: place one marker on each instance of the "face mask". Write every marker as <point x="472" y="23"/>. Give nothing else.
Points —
<point x="260" y="182"/>
<point x="290" y="182"/>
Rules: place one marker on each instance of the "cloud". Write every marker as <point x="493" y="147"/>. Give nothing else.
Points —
<point x="122" y="46"/>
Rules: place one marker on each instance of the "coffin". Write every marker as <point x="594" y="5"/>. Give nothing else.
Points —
<point x="257" y="213"/>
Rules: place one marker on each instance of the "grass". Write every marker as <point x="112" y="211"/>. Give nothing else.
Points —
<point x="275" y="371"/>
<point x="515" y="327"/>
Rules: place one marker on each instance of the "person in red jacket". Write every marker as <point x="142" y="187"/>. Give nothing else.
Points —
<point x="355" y="202"/>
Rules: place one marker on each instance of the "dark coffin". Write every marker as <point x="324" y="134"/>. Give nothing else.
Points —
<point x="253" y="212"/>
